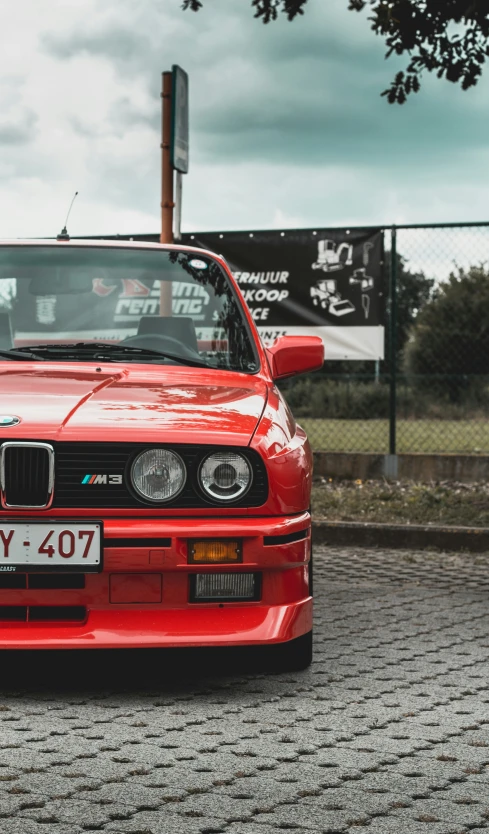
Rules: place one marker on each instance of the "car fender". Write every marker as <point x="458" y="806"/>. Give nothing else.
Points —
<point x="287" y="454"/>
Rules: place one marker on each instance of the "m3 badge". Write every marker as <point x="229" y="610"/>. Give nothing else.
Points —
<point x="102" y="479"/>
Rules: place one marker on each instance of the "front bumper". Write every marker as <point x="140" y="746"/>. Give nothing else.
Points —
<point x="141" y="554"/>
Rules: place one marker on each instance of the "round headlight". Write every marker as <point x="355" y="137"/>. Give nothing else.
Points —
<point x="225" y="476"/>
<point x="158" y="475"/>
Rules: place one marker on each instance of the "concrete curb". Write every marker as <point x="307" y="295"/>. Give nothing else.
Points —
<point x="400" y="536"/>
<point x="419" y="467"/>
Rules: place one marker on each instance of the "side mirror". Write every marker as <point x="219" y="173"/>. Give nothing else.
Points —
<point x="290" y="355"/>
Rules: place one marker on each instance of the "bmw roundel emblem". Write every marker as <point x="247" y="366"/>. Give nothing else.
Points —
<point x="8" y="420"/>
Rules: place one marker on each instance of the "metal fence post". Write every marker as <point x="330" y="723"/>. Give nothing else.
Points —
<point x="391" y="462"/>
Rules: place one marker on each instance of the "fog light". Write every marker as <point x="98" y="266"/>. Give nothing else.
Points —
<point x="212" y="552"/>
<point x="224" y="586"/>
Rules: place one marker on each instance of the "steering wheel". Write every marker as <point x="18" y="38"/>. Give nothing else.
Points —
<point x="156" y="341"/>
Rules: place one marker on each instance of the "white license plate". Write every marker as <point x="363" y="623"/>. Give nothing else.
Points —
<point x="31" y="545"/>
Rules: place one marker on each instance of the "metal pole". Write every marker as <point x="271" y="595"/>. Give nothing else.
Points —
<point x="178" y="205"/>
<point x="167" y="204"/>
<point x="393" y="345"/>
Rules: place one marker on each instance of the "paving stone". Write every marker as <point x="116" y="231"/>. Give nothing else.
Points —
<point x="388" y="731"/>
<point x="252" y="828"/>
<point x="151" y="822"/>
<point x="440" y="809"/>
<point x="24" y="826"/>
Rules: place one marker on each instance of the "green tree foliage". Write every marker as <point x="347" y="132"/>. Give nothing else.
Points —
<point x="451" y="335"/>
<point x="267" y="10"/>
<point x="448" y="37"/>
<point x="414" y="290"/>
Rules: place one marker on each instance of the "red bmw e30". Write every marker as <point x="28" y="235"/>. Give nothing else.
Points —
<point x="154" y="485"/>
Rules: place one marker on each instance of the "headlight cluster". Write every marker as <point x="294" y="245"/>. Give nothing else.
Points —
<point x="159" y="475"/>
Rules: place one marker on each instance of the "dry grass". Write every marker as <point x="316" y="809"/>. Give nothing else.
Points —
<point x="402" y="503"/>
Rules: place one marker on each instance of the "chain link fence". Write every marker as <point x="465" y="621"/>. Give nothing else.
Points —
<point x="431" y="392"/>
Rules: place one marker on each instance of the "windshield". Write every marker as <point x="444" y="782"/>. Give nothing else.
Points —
<point x="173" y="303"/>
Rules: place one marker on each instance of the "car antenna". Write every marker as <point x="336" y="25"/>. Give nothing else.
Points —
<point x="63" y="235"/>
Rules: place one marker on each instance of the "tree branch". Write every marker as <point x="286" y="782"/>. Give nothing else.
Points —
<point x="418" y="28"/>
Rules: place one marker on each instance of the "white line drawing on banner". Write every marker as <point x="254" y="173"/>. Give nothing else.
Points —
<point x="341" y="307"/>
<point x="360" y="277"/>
<point x="325" y="294"/>
<point x="366" y="305"/>
<point x="366" y="283"/>
<point x="366" y="250"/>
<point x="333" y="256"/>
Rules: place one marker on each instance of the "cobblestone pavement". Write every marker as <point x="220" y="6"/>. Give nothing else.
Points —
<point x="387" y="732"/>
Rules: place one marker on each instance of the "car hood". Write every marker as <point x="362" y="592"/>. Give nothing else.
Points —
<point x="124" y="403"/>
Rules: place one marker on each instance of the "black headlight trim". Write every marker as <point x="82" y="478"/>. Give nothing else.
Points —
<point x="73" y="460"/>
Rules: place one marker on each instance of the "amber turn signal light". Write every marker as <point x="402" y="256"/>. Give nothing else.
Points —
<point x="214" y="552"/>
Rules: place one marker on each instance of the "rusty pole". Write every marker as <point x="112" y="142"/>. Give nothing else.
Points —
<point x="167" y="203"/>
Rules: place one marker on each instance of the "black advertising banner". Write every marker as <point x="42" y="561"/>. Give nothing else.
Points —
<point x="318" y="282"/>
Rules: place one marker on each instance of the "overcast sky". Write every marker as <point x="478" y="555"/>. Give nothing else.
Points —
<point x="287" y="125"/>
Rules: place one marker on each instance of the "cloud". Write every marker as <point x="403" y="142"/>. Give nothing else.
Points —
<point x="18" y="120"/>
<point x="287" y="124"/>
<point x="19" y="129"/>
<point x="301" y="93"/>
<point x="125" y="114"/>
<point x="116" y="43"/>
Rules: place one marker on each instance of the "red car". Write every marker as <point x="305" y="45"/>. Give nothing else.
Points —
<point x="154" y="485"/>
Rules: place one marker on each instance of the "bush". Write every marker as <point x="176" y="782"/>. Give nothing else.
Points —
<point x="338" y="399"/>
<point x="451" y="338"/>
<point x="341" y="398"/>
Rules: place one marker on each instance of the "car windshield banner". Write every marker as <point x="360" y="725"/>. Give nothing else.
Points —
<point x="322" y="282"/>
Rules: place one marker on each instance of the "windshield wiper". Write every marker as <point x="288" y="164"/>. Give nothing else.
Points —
<point x="21" y="353"/>
<point x="107" y="352"/>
